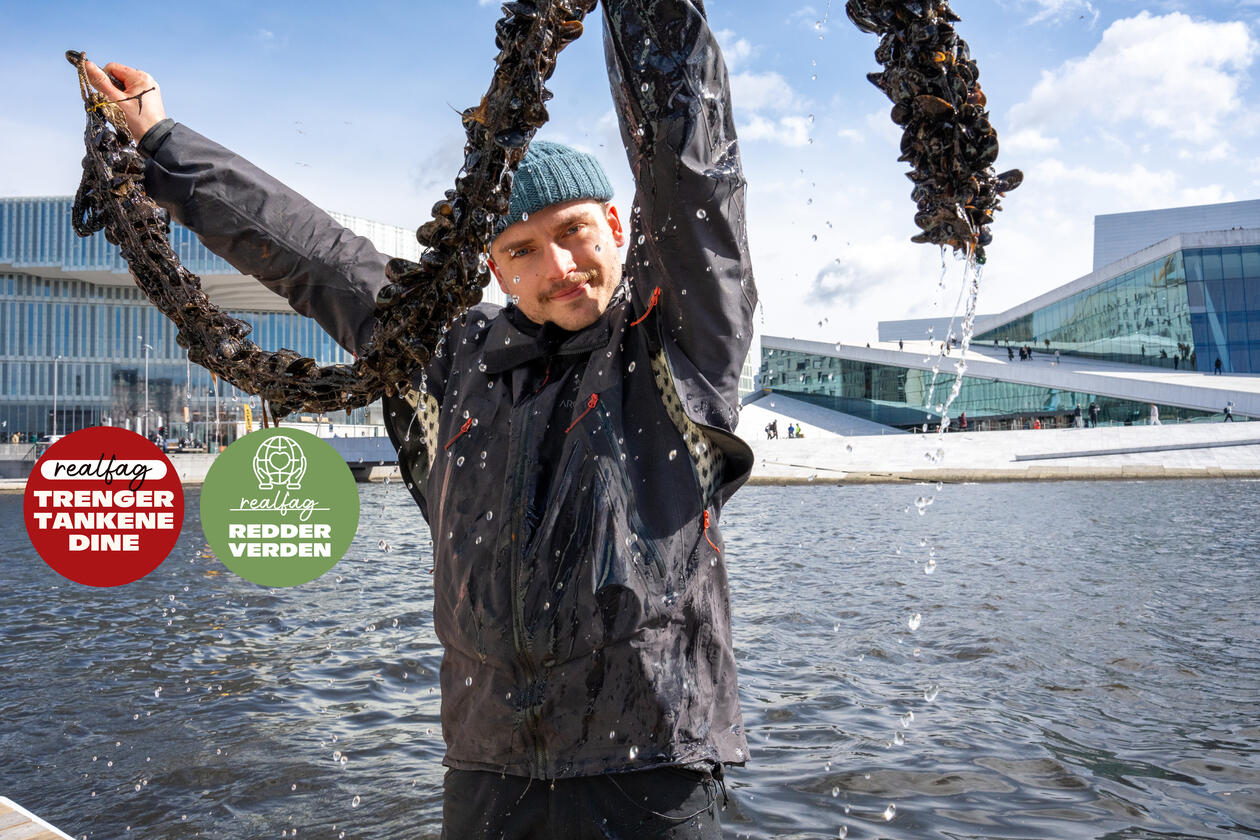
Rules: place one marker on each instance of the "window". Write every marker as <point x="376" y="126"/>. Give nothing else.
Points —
<point x="1211" y="263"/>
<point x="1231" y="263"/>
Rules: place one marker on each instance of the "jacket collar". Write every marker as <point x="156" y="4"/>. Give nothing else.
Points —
<point x="513" y="340"/>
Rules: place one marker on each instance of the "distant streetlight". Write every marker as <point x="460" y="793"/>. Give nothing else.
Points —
<point x="188" y="415"/>
<point x="217" y="438"/>
<point x="54" y="422"/>
<point x="147" y="348"/>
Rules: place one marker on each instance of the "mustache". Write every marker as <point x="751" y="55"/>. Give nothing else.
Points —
<point x="577" y="278"/>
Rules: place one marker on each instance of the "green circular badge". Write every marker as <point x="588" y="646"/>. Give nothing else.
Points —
<point x="279" y="507"/>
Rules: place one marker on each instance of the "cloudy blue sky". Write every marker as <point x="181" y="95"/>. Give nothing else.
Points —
<point x="1107" y="108"/>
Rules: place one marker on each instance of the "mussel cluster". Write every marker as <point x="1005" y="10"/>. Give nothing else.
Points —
<point x="111" y="197"/>
<point x="422" y="298"/>
<point x="934" y="85"/>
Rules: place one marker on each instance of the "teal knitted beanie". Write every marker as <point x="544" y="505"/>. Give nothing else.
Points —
<point x="553" y="173"/>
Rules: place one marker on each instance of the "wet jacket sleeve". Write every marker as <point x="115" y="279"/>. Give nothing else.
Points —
<point x="670" y="88"/>
<point x="265" y="229"/>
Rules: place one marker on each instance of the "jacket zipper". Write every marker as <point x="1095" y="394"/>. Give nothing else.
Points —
<point x="532" y="720"/>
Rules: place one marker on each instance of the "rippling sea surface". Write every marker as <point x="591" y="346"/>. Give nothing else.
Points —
<point x="1077" y="660"/>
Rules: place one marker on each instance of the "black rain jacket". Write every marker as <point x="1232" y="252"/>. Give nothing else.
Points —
<point x="572" y="481"/>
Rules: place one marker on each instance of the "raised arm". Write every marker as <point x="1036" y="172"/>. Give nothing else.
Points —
<point x="670" y="87"/>
<point x="256" y="223"/>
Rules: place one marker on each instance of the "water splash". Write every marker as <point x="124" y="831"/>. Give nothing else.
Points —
<point x="968" y="295"/>
<point x="957" y="336"/>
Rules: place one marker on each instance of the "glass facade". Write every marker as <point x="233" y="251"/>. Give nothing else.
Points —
<point x="1224" y="291"/>
<point x="908" y="398"/>
<point x="86" y="343"/>
<point x="36" y="233"/>
<point x="1183" y="311"/>
<point x="77" y="348"/>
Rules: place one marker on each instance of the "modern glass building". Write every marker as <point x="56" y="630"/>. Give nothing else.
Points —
<point x="80" y="345"/>
<point x="1186" y="302"/>
<point x="1183" y="310"/>
<point x="907" y="398"/>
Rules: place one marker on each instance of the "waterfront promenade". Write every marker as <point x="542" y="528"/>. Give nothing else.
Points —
<point x="830" y="456"/>
<point x="1187" y="450"/>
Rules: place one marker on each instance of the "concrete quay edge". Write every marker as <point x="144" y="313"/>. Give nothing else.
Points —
<point x="944" y="476"/>
<point x="962" y="476"/>
<point x="1220" y="450"/>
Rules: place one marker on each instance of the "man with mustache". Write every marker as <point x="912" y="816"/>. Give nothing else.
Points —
<point x="571" y="452"/>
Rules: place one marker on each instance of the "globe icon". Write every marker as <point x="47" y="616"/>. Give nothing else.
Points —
<point x="279" y="461"/>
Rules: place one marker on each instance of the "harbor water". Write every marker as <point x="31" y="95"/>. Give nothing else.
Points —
<point x="1040" y="660"/>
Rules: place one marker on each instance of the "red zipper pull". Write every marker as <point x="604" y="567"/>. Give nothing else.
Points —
<point x="591" y="403"/>
<point x="656" y="296"/>
<point x="467" y="425"/>
<point x="706" y="532"/>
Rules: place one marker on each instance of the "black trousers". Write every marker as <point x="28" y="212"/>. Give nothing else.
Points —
<point x="670" y="803"/>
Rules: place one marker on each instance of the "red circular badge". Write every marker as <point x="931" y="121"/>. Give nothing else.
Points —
<point x="104" y="506"/>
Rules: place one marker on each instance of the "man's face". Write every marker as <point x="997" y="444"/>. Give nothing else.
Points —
<point x="561" y="264"/>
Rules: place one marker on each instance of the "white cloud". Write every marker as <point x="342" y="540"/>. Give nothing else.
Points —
<point x="881" y="126"/>
<point x="816" y="21"/>
<point x="1044" y="236"/>
<point x="764" y="91"/>
<point x="859" y="271"/>
<point x="852" y="135"/>
<point x="268" y="40"/>
<point x="1135" y="188"/>
<point x="871" y="278"/>
<point x="1029" y="140"/>
<point x="1170" y="73"/>
<point x="766" y="105"/>
<point x="1207" y="194"/>
<point x="788" y="131"/>
<point x="1118" y="143"/>
<point x="1138" y="180"/>
<point x="1053" y="10"/>
<point x="1223" y="150"/>
<point x="735" y="50"/>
